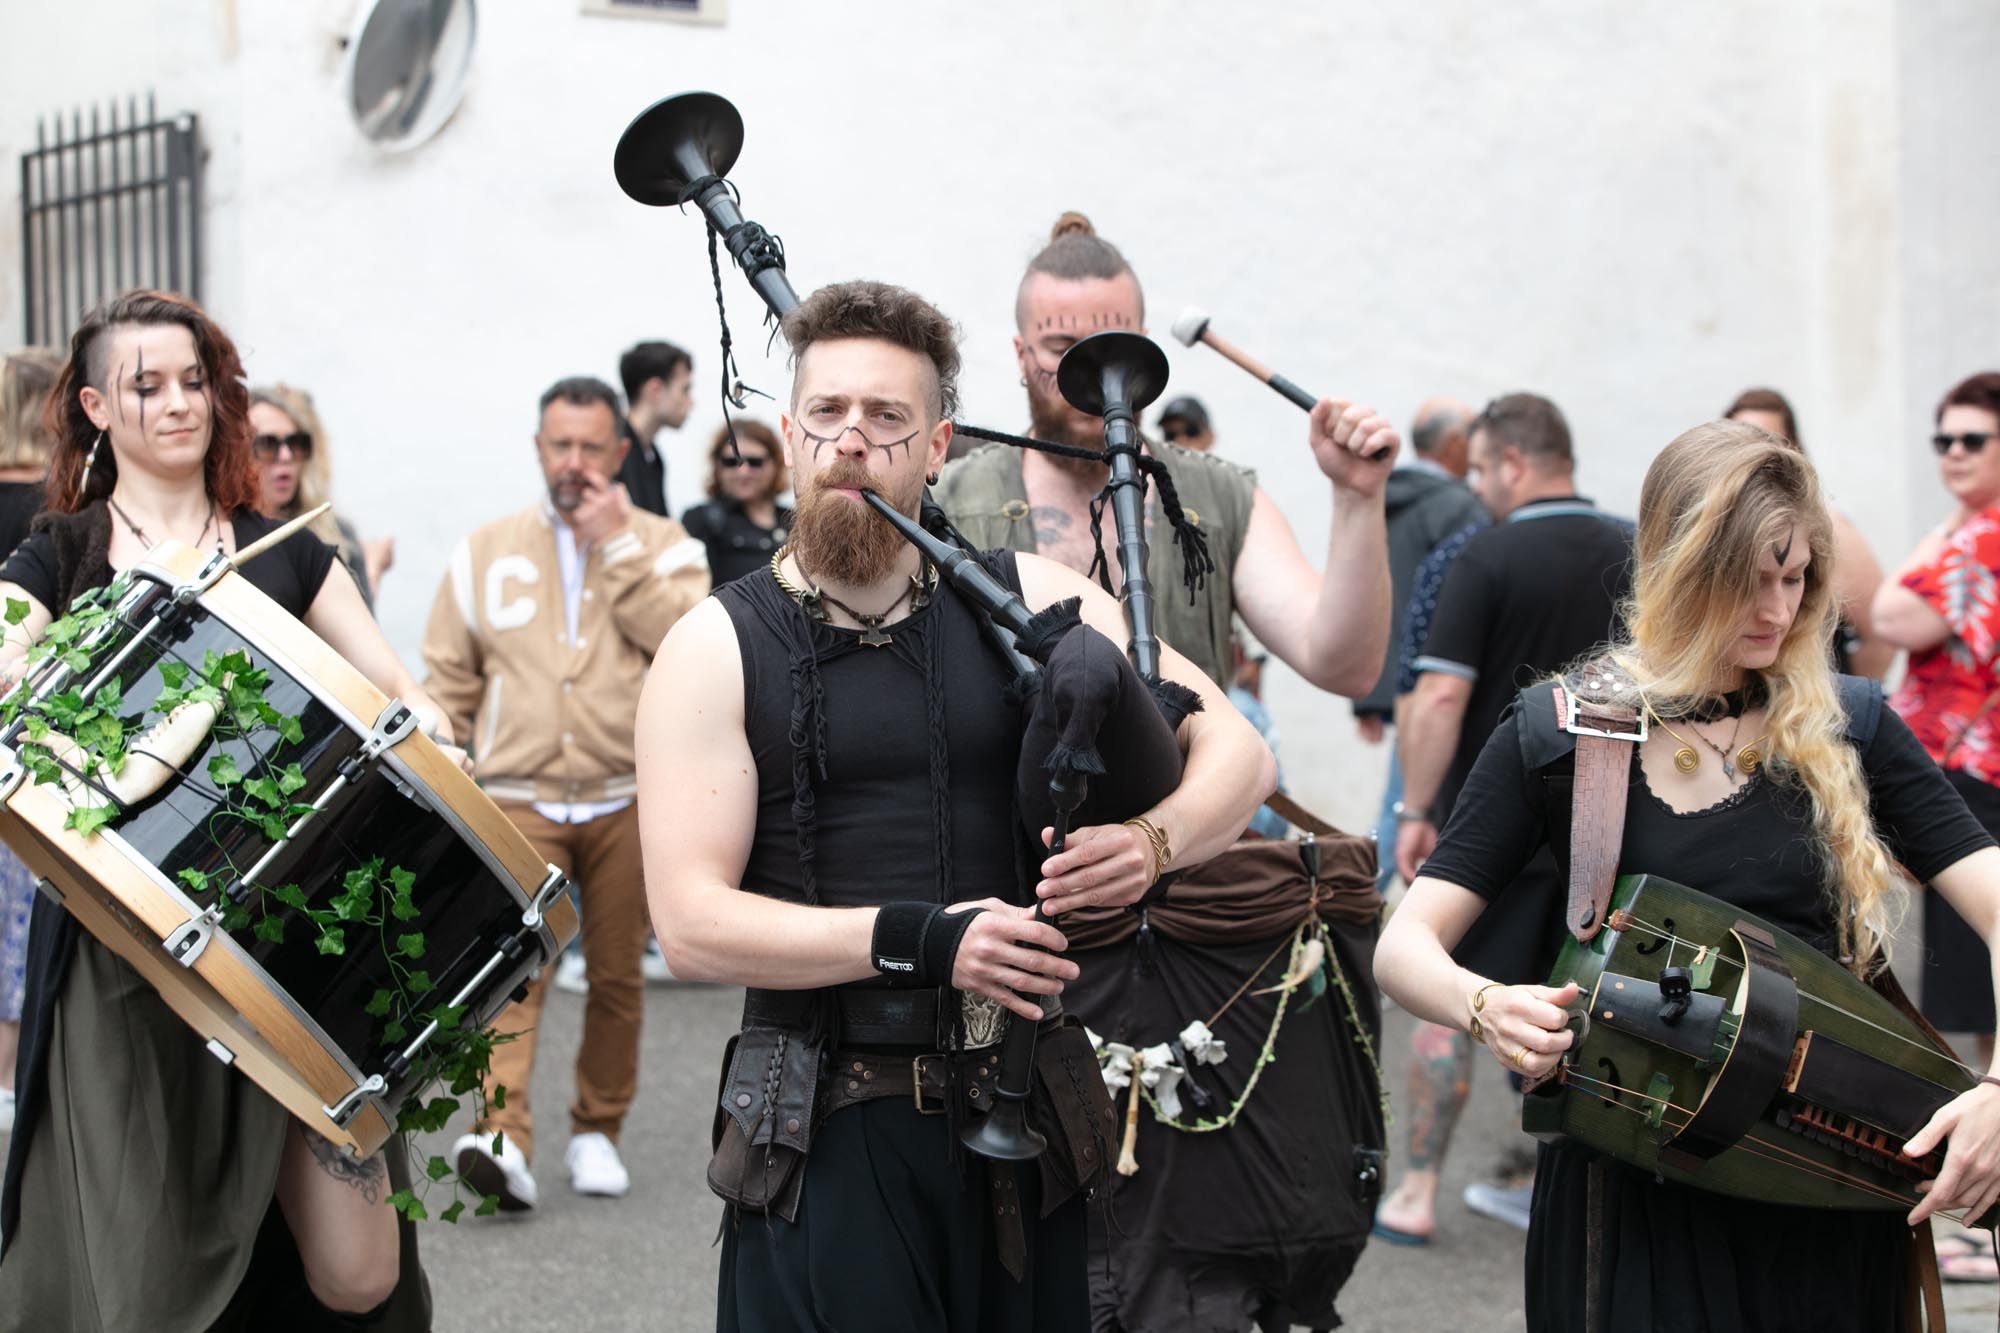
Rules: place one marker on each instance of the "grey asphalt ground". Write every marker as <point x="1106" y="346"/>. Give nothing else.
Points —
<point x="647" y="1262"/>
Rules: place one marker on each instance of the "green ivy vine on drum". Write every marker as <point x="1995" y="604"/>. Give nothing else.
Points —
<point x="85" y="743"/>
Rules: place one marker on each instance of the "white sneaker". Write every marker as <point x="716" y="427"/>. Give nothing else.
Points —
<point x="653" y="963"/>
<point x="1502" y="1205"/>
<point x="596" y="1168"/>
<point x="571" y="975"/>
<point x="6" y="1110"/>
<point x="504" y="1175"/>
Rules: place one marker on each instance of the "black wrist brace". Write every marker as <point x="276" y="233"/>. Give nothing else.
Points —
<point x="916" y="943"/>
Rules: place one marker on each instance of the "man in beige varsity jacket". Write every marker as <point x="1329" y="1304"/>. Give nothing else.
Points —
<point x="538" y="642"/>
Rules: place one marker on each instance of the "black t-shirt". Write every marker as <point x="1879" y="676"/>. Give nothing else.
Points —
<point x="737" y="543"/>
<point x="1527" y="597"/>
<point x="290" y="573"/>
<point x="644" y="473"/>
<point x="1755" y="849"/>
<point x="19" y="502"/>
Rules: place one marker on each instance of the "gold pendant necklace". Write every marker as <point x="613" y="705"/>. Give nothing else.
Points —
<point x="1687" y="759"/>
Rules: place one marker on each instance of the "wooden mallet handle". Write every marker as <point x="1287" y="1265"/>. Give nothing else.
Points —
<point x="1193" y="327"/>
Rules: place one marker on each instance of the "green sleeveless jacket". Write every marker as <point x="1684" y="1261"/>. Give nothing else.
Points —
<point x="984" y="497"/>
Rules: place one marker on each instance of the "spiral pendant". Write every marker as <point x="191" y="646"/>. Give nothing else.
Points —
<point x="1748" y="758"/>
<point x="1686" y="760"/>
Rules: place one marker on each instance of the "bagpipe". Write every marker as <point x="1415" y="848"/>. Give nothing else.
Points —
<point x="1721" y="1052"/>
<point x="1099" y="741"/>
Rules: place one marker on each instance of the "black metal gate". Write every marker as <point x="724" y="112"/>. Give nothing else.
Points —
<point x="107" y="204"/>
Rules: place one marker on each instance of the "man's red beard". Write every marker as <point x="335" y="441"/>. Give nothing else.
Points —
<point x="1054" y="420"/>
<point x="839" y="540"/>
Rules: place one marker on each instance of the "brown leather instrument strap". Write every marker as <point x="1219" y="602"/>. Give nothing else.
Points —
<point x="1289" y="810"/>
<point x="1601" y="710"/>
<point x="1924" y="1305"/>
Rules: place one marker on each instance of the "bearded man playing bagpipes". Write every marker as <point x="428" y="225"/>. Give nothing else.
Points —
<point x="827" y="787"/>
<point x="1747" y="1125"/>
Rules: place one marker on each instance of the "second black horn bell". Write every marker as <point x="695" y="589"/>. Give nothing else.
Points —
<point x="1110" y="369"/>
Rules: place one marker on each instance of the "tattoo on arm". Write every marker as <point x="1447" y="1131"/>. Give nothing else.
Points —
<point x="365" y="1174"/>
<point x="1051" y="525"/>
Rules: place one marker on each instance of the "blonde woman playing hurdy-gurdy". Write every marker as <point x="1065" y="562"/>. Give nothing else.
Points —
<point x="1768" y="782"/>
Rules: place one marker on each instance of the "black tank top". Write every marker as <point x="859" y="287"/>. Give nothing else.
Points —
<point x="873" y="829"/>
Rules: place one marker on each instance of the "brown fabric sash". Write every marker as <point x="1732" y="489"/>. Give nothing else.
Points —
<point x="1256" y="889"/>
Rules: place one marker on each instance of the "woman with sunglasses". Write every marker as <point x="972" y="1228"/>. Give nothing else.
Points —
<point x="294" y="476"/>
<point x="1943" y="605"/>
<point x="742" y="522"/>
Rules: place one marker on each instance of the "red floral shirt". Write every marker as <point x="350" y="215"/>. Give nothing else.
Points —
<point x="1945" y="693"/>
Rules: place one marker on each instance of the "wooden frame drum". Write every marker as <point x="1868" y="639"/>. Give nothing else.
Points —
<point x="293" y="1019"/>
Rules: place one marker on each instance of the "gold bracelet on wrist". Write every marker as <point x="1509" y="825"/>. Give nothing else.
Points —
<point x="1163" y="852"/>
<point x="1477" y="1003"/>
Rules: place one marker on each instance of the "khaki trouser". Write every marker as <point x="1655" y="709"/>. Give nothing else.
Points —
<point x="603" y="857"/>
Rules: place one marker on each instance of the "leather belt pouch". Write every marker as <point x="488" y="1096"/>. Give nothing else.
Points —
<point x="764" y="1120"/>
<point x="1073" y="1109"/>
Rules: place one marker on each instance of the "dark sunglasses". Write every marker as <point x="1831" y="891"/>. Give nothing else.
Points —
<point x="266" y="447"/>
<point x="1175" y="434"/>
<point x="1973" y="440"/>
<point x="744" y="460"/>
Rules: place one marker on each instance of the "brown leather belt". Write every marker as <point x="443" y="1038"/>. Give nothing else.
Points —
<point x="864" y="1076"/>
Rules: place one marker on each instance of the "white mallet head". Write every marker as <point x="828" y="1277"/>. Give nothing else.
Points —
<point x="1191" y="325"/>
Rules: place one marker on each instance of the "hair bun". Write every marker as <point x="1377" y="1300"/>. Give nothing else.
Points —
<point x="1071" y="224"/>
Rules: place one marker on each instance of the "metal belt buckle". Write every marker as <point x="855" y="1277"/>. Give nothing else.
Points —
<point x="1573" y="724"/>
<point x="917" y="1085"/>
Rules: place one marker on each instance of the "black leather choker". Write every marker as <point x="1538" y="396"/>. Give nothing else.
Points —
<point x="1733" y="704"/>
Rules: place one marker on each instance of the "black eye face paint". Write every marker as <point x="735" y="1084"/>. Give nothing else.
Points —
<point x="1784" y="553"/>
<point x="888" y="450"/>
<point x="117" y="387"/>
<point x="138" y="374"/>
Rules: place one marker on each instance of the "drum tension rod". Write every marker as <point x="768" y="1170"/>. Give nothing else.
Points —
<point x="344" y="1110"/>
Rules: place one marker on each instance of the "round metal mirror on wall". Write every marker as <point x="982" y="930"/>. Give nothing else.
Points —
<point x="406" y="68"/>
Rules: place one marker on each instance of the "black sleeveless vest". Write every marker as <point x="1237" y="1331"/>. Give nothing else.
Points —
<point x="887" y="818"/>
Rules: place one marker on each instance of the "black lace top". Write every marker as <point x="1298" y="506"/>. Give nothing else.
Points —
<point x="1754" y="849"/>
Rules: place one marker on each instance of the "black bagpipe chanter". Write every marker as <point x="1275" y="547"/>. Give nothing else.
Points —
<point x="1099" y="746"/>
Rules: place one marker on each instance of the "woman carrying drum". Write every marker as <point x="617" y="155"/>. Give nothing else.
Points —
<point x="147" y="1184"/>
<point x="1757" y="787"/>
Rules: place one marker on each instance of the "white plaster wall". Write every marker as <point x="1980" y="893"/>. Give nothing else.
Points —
<point x="1636" y="209"/>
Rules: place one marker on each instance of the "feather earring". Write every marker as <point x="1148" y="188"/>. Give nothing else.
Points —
<point x="89" y="461"/>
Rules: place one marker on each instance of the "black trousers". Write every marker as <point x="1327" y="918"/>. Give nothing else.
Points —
<point x="892" y="1238"/>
